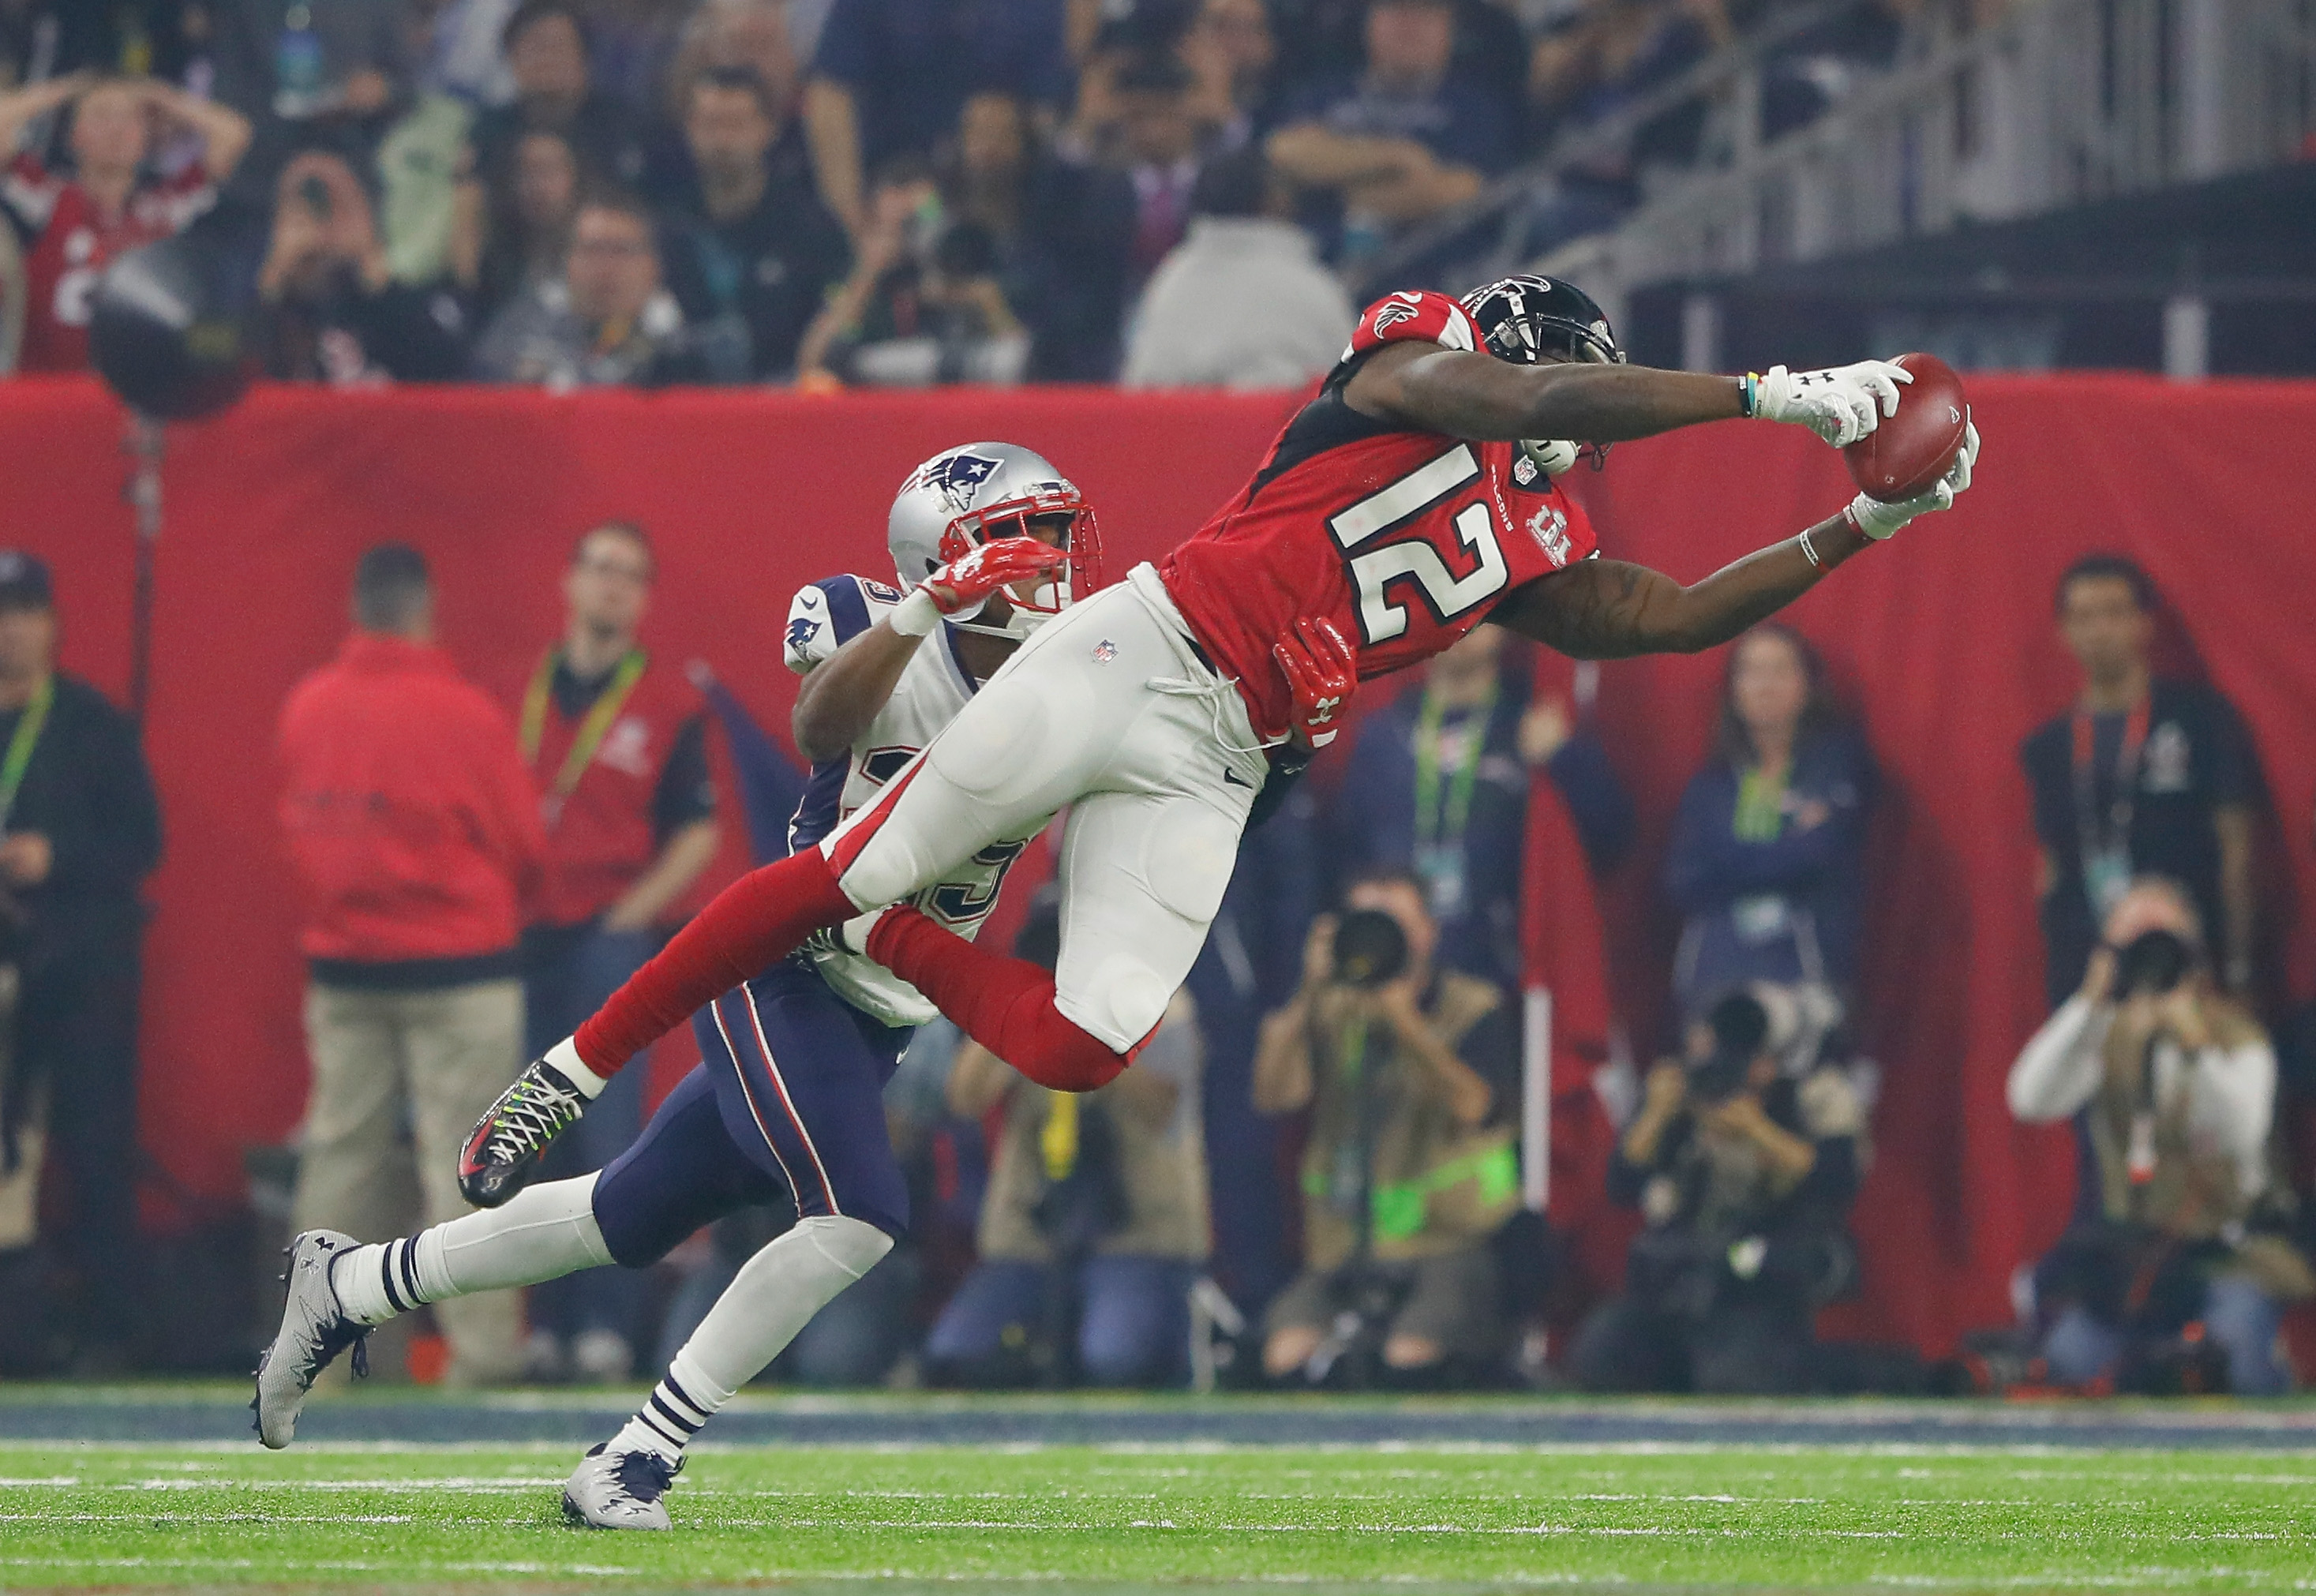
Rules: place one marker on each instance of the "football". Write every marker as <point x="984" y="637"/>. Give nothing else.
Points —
<point x="1911" y="450"/>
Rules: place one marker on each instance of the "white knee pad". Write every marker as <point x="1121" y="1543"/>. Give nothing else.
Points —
<point x="853" y="1245"/>
<point x="1117" y="1004"/>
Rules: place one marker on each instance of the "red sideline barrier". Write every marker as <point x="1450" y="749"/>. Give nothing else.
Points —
<point x="1943" y="640"/>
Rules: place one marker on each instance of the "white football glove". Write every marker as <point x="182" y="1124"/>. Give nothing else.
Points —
<point x="1841" y="405"/>
<point x="1555" y="457"/>
<point x="1880" y="518"/>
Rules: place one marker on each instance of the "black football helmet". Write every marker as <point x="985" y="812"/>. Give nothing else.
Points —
<point x="1526" y="319"/>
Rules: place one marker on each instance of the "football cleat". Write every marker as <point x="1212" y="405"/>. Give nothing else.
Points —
<point x="620" y="1490"/>
<point x="314" y="1331"/>
<point x="509" y="1142"/>
<point x="851" y="936"/>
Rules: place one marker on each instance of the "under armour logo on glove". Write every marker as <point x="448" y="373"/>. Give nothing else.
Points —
<point x="1841" y="405"/>
<point x="1322" y="671"/>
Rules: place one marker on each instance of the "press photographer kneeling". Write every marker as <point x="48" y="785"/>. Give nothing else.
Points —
<point x="1745" y="1174"/>
<point x="2180" y="1280"/>
<point x="1412" y="1079"/>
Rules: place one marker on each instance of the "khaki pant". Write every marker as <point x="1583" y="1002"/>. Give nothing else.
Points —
<point x="435" y="1061"/>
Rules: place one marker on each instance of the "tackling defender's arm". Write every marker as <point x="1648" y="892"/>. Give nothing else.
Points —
<point x="840" y="696"/>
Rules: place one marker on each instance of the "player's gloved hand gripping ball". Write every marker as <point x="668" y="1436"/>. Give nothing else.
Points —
<point x="963" y="583"/>
<point x="509" y="1142"/>
<point x="1322" y="671"/>
<point x="1841" y="405"/>
<point x="1880" y="518"/>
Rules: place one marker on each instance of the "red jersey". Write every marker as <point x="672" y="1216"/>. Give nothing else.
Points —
<point x="1404" y="539"/>
<point x="73" y="244"/>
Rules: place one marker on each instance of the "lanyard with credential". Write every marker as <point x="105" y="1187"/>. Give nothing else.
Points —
<point x="27" y="737"/>
<point x="2116" y="832"/>
<point x="591" y="730"/>
<point x="1437" y="821"/>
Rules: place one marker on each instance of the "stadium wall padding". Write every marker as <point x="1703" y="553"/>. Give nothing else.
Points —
<point x="1943" y="641"/>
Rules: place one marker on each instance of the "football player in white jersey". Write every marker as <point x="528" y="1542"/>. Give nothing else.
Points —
<point x="787" y="1099"/>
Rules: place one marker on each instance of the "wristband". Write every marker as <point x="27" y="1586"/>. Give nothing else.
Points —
<point x="564" y="1056"/>
<point x="1809" y="549"/>
<point x="916" y="615"/>
<point x="1748" y="394"/>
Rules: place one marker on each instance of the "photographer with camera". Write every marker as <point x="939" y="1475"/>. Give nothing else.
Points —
<point x="2181" y="1278"/>
<point x="1412" y="1078"/>
<point x="1095" y="1223"/>
<point x="1745" y="1175"/>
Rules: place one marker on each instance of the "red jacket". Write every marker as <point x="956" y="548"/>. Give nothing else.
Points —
<point x="413" y="824"/>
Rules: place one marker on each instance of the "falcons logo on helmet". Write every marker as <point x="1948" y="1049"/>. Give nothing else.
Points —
<point x="957" y="478"/>
<point x="1403" y="307"/>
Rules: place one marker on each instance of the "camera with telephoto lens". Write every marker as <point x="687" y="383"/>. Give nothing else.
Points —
<point x="1740" y="1030"/>
<point x="1370" y="949"/>
<point x="2153" y="963"/>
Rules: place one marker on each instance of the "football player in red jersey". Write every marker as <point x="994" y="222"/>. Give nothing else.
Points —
<point x="1410" y="500"/>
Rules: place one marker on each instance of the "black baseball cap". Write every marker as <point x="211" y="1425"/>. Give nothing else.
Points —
<point x="24" y="582"/>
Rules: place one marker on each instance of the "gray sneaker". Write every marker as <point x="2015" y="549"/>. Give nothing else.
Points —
<point x="620" y="1490"/>
<point x="314" y="1331"/>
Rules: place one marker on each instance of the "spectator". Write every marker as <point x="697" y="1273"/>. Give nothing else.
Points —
<point x="1406" y="139"/>
<point x="1243" y="302"/>
<point x="2177" y="1083"/>
<point x="1744" y="1177"/>
<point x="1768" y="858"/>
<point x="415" y="835"/>
<point x="513" y="235"/>
<point x="547" y="50"/>
<point x="78" y="225"/>
<point x="1156" y="144"/>
<point x="923" y="304"/>
<point x="607" y="320"/>
<point x="1412" y="1075"/>
<point x="1096" y="1215"/>
<point x="80" y="831"/>
<point x="756" y="245"/>
<point x="421" y="164"/>
<point x="331" y="310"/>
<point x="1610" y="54"/>
<point x="618" y="746"/>
<point x="307" y="73"/>
<point x="1438" y="785"/>
<point x="635" y="47"/>
<point x="892" y="76"/>
<point x="757" y="37"/>
<point x="2143" y="776"/>
<point x="1231" y="49"/>
<point x="463" y="53"/>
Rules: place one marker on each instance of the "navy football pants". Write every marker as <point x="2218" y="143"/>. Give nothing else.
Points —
<point x="788" y="1100"/>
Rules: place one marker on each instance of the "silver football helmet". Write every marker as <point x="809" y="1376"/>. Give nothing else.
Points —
<point x="967" y="496"/>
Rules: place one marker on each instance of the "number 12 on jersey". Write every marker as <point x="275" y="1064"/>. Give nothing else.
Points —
<point x="1445" y="593"/>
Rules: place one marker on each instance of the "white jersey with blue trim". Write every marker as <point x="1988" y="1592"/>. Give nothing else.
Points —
<point x="933" y="687"/>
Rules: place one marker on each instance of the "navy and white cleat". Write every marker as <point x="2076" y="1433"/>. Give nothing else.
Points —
<point x="314" y="1331"/>
<point x="620" y="1490"/>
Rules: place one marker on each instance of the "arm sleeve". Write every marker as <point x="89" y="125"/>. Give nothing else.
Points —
<point x="823" y="619"/>
<point x="2058" y="1070"/>
<point x="686" y="792"/>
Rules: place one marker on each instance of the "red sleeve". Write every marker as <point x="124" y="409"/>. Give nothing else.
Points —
<point x="1415" y="313"/>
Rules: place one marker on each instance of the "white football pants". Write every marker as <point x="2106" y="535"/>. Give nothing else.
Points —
<point x="1108" y="711"/>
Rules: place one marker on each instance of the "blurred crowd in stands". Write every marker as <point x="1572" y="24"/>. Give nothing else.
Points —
<point x="881" y="192"/>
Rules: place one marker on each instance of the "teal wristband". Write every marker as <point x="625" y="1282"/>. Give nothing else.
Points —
<point x="1747" y="394"/>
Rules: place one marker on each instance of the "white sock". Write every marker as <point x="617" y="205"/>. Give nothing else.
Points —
<point x="542" y="1234"/>
<point x="775" y="1295"/>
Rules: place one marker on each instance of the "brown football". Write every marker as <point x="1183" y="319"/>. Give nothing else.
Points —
<point x="1911" y="450"/>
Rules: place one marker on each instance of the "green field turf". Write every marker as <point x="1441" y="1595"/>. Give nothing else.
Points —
<point x="1077" y="1517"/>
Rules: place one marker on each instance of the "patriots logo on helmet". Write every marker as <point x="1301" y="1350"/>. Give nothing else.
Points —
<point x="802" y="630"/>
<point x="957" y="478"/>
